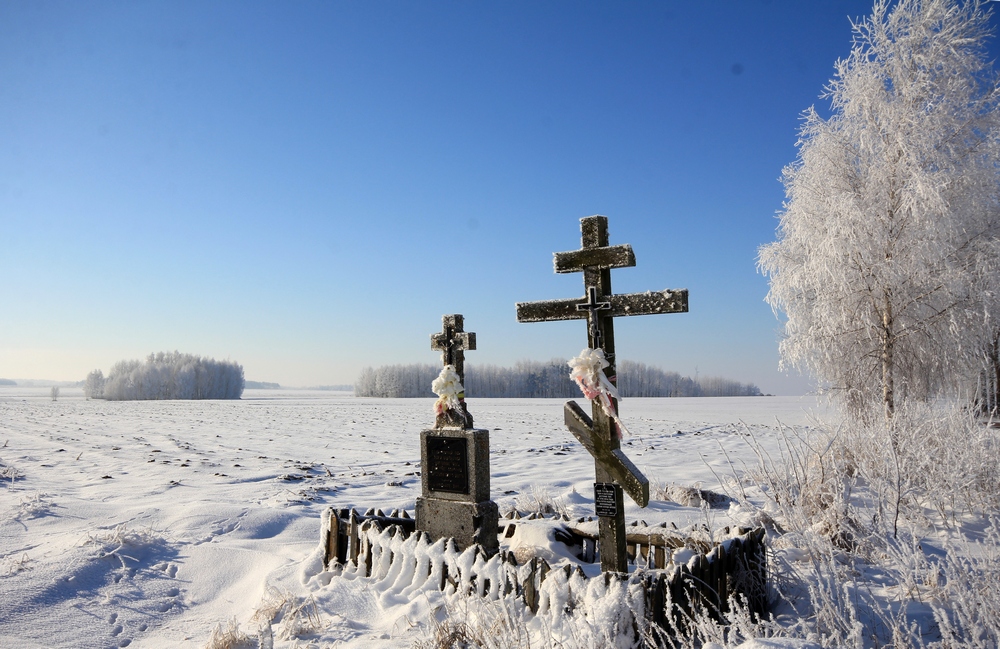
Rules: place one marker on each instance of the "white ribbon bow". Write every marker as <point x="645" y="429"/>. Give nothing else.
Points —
<point x="587" y="370"/>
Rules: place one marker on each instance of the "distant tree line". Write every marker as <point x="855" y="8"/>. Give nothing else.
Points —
<point x="641" y="380"/>
<point x="534" y="379"/>
<point x="40" y="383"/>
<point x="167" y="375"/>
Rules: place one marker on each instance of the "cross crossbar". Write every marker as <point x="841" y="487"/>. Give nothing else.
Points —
<point x="450" y="345"/>
<point x="648" y="303"/>
<point x="635" y="484"/>
<point x="576" y="261"/>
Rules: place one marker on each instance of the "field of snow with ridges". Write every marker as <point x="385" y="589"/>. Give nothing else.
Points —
<point x="146" y="524"/>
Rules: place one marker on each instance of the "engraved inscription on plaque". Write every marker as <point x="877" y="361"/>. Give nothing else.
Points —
<point x="605" y="501"/>
<point x="448" y="464"/>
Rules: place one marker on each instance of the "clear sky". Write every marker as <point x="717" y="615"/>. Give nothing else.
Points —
<point x="306" y="187"/>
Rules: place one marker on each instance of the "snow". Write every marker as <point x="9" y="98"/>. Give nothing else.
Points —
<point x="151" y="523"/>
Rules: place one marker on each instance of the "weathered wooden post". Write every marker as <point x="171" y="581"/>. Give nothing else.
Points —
<point x="598" y="434"/>
<point x="455" y="460"/>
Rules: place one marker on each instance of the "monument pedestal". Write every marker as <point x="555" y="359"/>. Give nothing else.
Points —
<point x="455" y="500"/>
<point x="467" y="523"/>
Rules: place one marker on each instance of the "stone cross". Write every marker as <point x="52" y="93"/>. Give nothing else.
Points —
<point x="453" y="342"/>
<point x="455" y="461"/>
<point x="599" y="307"/>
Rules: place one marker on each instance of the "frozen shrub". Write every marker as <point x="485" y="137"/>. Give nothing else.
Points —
<point x="851" y="508"/>
<point x="540" y="501"/>
<point x="296" y="616"/>
<point x="230" y="637"/>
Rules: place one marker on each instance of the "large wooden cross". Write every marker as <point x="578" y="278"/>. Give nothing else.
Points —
<point x="599" y="307"/>
<point x="452" y="342"/>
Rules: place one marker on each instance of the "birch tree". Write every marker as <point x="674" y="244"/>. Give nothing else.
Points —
<point x="885" y="263"/>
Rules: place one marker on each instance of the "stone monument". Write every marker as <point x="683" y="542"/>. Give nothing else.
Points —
<point x="455" y="460"/>
<point x="598" y="434"/>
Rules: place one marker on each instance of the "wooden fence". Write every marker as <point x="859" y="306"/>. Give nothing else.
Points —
<point x="388" y="547"/>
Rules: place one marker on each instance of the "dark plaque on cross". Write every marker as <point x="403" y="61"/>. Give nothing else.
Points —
<point x="605" y="500"/>
<point x="599" y="306"/>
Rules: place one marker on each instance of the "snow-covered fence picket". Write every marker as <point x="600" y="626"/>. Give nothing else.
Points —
<point x="735" y="566"/>
<point x="389" y="549"/>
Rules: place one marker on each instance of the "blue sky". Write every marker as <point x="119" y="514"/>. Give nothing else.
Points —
<point x="307" y="187"/>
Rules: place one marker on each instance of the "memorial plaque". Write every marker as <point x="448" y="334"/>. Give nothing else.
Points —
<point x="605" y="499"/>
<point x="448" y="464"/>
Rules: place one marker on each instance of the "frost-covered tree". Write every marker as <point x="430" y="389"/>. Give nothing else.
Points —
<point x="885" y="263"/>
<point x="534" y="379"/>
<point x="172" y="375"/>
<point x="93" y="385"/>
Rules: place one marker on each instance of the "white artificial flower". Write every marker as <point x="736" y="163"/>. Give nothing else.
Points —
<point x="448" y="387"/>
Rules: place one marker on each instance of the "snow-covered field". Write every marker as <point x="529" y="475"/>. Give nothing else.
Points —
<point x="149" y="523"/>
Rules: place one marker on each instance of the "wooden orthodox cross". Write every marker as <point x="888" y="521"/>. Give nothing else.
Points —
<point x="452" y="342"/>
<point x="599" y="307"/>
